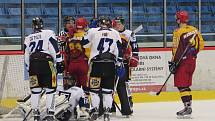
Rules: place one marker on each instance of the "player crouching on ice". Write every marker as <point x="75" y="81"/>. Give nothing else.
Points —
<point x="75" y="97"/>
<point x="105" y="45"/>
<point x="188" y="40"/>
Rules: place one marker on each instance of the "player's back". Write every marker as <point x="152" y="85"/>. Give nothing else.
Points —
<point x="40" y="42"/>
<point x="103" y="40"/>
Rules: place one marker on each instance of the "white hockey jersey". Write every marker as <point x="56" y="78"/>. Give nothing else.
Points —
<point x="101" y="40"/>
<point x="44" y="41"/>
<point x="131" y="38"/>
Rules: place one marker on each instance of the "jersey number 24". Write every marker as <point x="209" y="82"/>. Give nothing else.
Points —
<point x="36" y="46"/>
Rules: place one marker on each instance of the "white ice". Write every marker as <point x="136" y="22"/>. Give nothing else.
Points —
<point x="164" y="111"/>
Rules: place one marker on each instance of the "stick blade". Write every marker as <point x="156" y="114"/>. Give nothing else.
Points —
<point x="138" y="28"/>
<point x="152" y="93"/>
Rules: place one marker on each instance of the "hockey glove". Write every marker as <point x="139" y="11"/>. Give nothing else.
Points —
<point x="60" y="67"/>
<point x="120" y="70"/>
<point x="127" y="54"/>
<point x="172" y="67"/>
<point x="134" y="61"/>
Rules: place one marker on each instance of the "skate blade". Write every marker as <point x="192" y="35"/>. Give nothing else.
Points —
<point x="83" y="119"/>
<point x="185" y="117"/>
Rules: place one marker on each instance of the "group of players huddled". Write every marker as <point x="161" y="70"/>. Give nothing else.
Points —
<point x="94" y="60"/>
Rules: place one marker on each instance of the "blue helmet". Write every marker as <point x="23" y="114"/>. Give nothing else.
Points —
<point x="93" y="23"/>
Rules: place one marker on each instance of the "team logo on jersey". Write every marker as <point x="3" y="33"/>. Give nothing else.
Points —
<point x="33" y="81"/>
<point x="95" y="82"/>
<point x="75" y="48"/>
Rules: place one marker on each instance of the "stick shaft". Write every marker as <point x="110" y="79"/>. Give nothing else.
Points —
<point x="177" y="63"/>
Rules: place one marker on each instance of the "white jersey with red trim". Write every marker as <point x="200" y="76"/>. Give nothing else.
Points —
<point x="131" y="38"/>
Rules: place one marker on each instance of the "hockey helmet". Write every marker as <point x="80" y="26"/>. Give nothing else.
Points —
<point x="37" y="23"/>
<point x="120" y="19"/>
<point x="104" y="20"/>
<point x="113" y="23"/>
<point x="81" y="23"/>
<point x="182" y="16"/>
<point x="68" y="19"/>
<point x="93" y="23"/>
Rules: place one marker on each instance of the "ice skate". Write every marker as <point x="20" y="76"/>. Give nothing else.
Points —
<point x="107" y="114"/>
<point x="65" y="116"/>
<point x="82" y="114"/>
<point x="50" y="117"/>
<point x="94" y="114"/>
<point x="186" y="112"/>
<point x="36" y="115"/>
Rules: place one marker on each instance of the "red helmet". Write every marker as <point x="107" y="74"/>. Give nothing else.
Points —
<point x="81" y="23"/>
<point x="182" y="16"/>
<point x="113" y="23"/>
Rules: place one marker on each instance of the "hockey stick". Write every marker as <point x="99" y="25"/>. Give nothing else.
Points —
<point x="177" y="63"/>
<point x="140" y="27"/>
<point x="115" y="90"/>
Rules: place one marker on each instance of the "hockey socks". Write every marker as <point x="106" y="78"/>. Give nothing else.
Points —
<point x="186" y="98"/>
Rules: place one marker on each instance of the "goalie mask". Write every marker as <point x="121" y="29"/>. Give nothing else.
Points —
<point x="37" y="23"/>
<point x="105" y="21"/>
<point x="68" y="81"/>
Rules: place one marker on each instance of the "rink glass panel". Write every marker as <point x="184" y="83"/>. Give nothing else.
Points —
<point x="46" y="9"/>
<point x="172" y="7"/>
<point x="77" y="8"/>
<point x="149" y="13"/>
<point x="10" y="24"/>
<point x="114" y="8"/>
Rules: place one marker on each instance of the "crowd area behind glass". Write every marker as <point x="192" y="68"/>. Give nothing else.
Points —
<point x="157" y="17"/>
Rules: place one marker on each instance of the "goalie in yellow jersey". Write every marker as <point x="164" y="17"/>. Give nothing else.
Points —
<point x="187" y="42"/>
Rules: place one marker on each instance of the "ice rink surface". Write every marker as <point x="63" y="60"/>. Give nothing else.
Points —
<point x="163" y="111"/>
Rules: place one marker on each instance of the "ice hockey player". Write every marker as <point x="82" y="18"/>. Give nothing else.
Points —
<point x="76" y="63"/>
<point x="105" y="46"/>
<point x="130" y="59"/>
<point x="68" y="30"/>
<point x="75" y="96"/>
<point x="41" y="56"/>
<point x="183" y="37"/>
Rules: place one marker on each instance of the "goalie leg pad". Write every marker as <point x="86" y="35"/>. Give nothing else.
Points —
<point x="95" y="100"/>
<point x="124" y="99"/>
